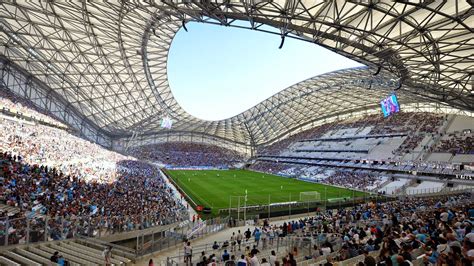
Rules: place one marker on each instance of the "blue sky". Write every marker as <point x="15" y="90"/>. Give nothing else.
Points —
<point x="216" y="72"/>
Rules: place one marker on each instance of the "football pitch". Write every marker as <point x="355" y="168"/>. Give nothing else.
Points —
<point x="215" y="188"/>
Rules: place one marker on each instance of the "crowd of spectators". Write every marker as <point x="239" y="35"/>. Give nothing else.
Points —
<point x="416" y="125"/>
<point x="44" y="145"/>
<point x="10" y="102"/>
<point x="357" y="180"/>
<point x="186" y="154"/>
<point x="423" y="124"/>
<point x="457" y="144"/>
<point x="136" y="198"/>
<point x="362" y="180"/>
<point x="283" y="144"/>
<point x="62" y="185"/>
<point x="430" y="231"/>
<point x="269" y="167"/>
<point x="409" y="144"/>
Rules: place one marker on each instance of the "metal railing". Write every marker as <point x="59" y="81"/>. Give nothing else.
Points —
<point x="280" y="244"/>
<point x="26" y="230"/>
<point x="438" y="191"/>
<point x="298" y="208"/>
<point x="151" y="242"/>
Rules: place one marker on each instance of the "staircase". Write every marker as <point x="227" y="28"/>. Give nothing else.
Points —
<point x="402" y="190"/>
<point x="435" y="140"/>
<point x="388" y="181"/>
<point x="76" y="252"/>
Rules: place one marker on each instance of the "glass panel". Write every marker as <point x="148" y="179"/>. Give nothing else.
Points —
<point x="3" y="231"/>
<point x="16" y="231"/>
<point x="37" y="229"/>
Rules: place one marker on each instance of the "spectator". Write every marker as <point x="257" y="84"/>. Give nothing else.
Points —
<point x="55" y="257"/>
<point x="368" y="260"/>
<point x="265" y="262"/>
<point x="257" y="236"/>
<point x="188" y="253"/>
<point x="62" y="261"/>
<point x="230" y="262"/>
<point x="225" y="256"/>
<point x="253" y="260"/>
<point x="273" y="258"/>
<point x="242" y="261"/>
<point x="107" y="254"/>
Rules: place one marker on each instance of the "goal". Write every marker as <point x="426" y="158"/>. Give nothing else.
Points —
<point x="310" y="196"/>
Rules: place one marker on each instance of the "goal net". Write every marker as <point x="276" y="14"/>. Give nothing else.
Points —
<point x="310" y="196"/>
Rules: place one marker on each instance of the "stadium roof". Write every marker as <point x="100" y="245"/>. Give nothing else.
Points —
<point x="105" y="62"/>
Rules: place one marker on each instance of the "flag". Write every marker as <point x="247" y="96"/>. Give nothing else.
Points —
<point x="93" y="209"/>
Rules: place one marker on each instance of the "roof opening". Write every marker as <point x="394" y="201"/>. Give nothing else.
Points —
<point x="217" y="72"/>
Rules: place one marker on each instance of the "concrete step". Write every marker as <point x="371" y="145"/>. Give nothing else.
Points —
<point x="64" y="251"/>
<point x="8" y="262"/>
<point x="68" y="257"/>
<point x="101" y="246"/>
<point x="48" y="255"/>
<point x="21" y="259"/>
<point x="33" y="256"/>
<point x="116" y="259"/>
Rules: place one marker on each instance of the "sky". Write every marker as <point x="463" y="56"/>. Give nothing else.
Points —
<point x="217" y="72"/>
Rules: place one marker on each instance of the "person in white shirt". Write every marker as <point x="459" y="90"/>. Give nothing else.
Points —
<point x="326" y="250"/>
<point x="107" y="253"/>
<point x="265" y="262"/>
<point x="254" y="260"/>
<point x="444" y="216"/>
<point x="188" y="253"/>
<point x="264" y="238"/>
<point x="239" y="239"/>
<point x="271" y="236"/>
<point x="356" y="238"/>
<point x="273" y="258"/>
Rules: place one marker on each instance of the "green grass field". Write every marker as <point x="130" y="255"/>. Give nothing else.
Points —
<point x="214" y="188"/>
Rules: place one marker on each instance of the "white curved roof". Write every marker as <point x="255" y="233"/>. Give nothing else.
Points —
<point x="106" y="61"/>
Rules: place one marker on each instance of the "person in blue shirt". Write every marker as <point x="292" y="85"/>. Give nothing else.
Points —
<point x="430" y="256"/>
<point x="450" y="215"/>
<point x="242" y="261"/>
<point x="471" y="213"/>
<point x="257" y="236"/>
<point x="225" y="256"/>
<point x="62" y="261"/>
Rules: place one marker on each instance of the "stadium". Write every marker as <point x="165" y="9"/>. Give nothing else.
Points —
<point x="101" y="164"/>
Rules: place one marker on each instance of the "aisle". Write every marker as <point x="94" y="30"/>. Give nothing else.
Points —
<point x="160" y="258"/>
